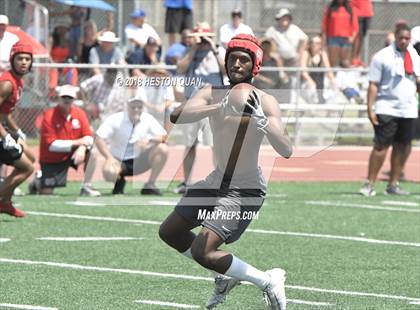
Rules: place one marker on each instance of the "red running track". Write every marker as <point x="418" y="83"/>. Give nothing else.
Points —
<point x="307" y="164"/>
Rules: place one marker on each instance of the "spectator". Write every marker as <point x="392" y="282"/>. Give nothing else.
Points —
<point x="159" y="97"/>
<point x="7" y="40"/>
<point x="269" y="79"/>
<point x="315" y="57"/>
<point x="144" y="56"/>
<point x="134" y="142"/>
<point x="227" y="31"/>
<point x="177" y="50"/>
<point x="60" y="53"/>
<point x="100" y="90"/>
<point x="363" y="9"/>
<point x="206" y="62"/>
<point x="290" y="39"/>
<point x="106" y="52"/>
<point x="77" y="15"/>
<point x="66" y="141"/>
<point x="393" y="74"/>
<point x="415" y="38"/>
<point x="137" y="32"/>
<point x="339" y="28"/>
<point x="179" y="17"/>
<point x="348" y="83"/>
<point x="89" y="41"/>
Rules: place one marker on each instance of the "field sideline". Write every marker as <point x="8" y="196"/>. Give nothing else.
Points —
<point x="341" y="251"/>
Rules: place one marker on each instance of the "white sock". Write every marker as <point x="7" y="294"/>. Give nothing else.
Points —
<point x="245" y="272"/>
<point x="188" y="254"/>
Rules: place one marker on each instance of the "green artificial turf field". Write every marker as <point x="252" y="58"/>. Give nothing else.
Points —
<point x="340" y="251"/>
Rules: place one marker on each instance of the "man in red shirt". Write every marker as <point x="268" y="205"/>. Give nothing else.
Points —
<point x="66" y="140"/>
<point x="13" y="150"/>
<point x="364" y="10"/>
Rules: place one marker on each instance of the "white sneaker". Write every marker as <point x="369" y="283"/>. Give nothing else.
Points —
<point x="274" y="293"/>
<point x="223" y="285"/>
<point x="367" y="190"/>
<point x="88" y="190"/>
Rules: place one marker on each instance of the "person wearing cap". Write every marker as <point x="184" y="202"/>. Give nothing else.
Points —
<point x="138" y="31"/>
<point x="7" y="40"/>
<point x="179" y="16"/>
<point x="13" y="149"/>
<point x="177" y="50"/>
<point x="240" y="116"/>
<point x="106" y="52"/>
<point x="66" y="141"/>
<point x="205" y="62"/>
<point x="149" y="55"/>
<point x="134" y="141"/>
<point x="290" y="39"/>
<point x="236" y="26"/>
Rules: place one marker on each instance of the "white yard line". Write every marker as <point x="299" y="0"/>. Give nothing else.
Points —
<point x="359" y="206"/>
<point x="4" y="240"/>
<point x="311" y="303"/>
<point x="88" y="238"/>
<point x="400" y="203"/>
<point x="414" y="302"/>
<point x="121" y="202"/>
<point x="94" y="218"/>
<point x="324" y="236"/>
<point x="167" y="304"/>
<point x="28" y="307"/>
<point x="259" y="231"/>
<point x="197" y="278"/>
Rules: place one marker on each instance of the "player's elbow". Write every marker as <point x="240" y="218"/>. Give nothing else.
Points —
<point x="287" y="151"/>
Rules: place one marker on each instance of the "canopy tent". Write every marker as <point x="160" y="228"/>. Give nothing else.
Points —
<point x="92" y="4"/>
<point x="39" y="50"/>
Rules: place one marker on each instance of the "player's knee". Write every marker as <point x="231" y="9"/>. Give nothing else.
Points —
<point x="380" y="147"/>
<point x="162" y="149"/>
<point x="164" y="235"/>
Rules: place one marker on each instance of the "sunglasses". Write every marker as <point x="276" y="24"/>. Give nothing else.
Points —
<point x="67" y="98"/>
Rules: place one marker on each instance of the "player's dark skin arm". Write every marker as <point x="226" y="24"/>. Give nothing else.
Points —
<point x="196" y="108"/>
<point x="276" y="131"/>
<point x="5" y="91"/>
<point x="371" y="96"/>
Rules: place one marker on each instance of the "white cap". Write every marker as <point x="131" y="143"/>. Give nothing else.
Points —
<point x="68" y="90"/>
<point x="4" y="19"/>
<point x="108" y="36"/>
<point x="282" y="13"/>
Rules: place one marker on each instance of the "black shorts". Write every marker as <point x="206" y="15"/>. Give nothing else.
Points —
<point x="177" y="20"/>
<point x="226" y="214"/>
<point x="55" y="175"/>
<point x="394" y="129"/>
<point x="417" y="130"/>
<point x="8" y="157"/>
<point x="364" y="23"/>
<point x="137" y="165"/>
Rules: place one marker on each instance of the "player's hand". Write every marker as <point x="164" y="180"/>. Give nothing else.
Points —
<point x="9" y="143"/>
<point x="254" y="109"/>
<point x="373" y="118"/>
<point x="21" y="134"/>
<point x="143" y="143"/>
<point x="79" y="155"/>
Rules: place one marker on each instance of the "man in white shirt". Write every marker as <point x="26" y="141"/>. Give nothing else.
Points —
<point x="137" y="32"/>
<point x="290" y="39"/>
<point x="7" y="40"/>
<point x="393" y="75"/>
<point x="228" y="31"/>
<point x="135" y="142"/>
